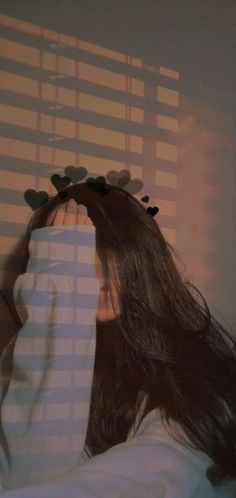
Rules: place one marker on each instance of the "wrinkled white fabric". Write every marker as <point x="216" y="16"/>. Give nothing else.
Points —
<point x="45" y="411"/>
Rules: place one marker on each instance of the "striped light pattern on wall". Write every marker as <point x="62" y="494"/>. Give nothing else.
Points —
<point x="66" y="101"/>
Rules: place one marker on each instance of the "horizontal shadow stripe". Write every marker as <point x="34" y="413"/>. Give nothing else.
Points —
<point x="13" y="262"/>
<point x="69" y="144"/>
<point x="40" y="462"/>
<point x="97" y="60"/>
<point x="45" y="170"/>
<point x="98" y="90"/>
<point x="55" y="395"/>
<point x="48" y="428"/>
<point x="11" y="229"/>
<point x="65" y="331"/>
<point x="68" y="237"/>
<point x="72" y="145"/>
<point x="65" y="363"/>
<point x="105" y="121"/>
<point x="72" y="300"/>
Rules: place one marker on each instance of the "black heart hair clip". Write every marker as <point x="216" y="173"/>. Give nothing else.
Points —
<point x="151" y="210"/>
<point x="74" y="175"/>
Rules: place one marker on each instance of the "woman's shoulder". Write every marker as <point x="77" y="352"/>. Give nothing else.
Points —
<point x="182" y="461"/>
<point x="152" y="432"/>
<point x="154" y="462"/>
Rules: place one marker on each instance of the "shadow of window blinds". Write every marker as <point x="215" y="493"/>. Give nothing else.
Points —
<point x="68" y="101"/>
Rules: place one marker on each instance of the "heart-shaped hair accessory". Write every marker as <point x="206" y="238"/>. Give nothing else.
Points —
<point x="60" y="182"/>
<point x="122" y="179"/>
<point x="119" y="178"/>
<point x="63" y="194"/>
<point x="76" y="174"/>
<point x="152" y="210"/>
<point x="35" y="199"/>
<point x="134" y="186"/>
<point x="98" y="184"/>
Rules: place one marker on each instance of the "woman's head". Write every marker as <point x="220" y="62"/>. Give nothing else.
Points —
<point x="129" y="246"/>
<point x="144" y="300"/>
<point x="159" y="347"/>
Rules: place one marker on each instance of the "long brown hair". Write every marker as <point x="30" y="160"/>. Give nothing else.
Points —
<point x="164" y="348"/>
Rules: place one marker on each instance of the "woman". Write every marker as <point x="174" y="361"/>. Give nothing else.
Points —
<point x="162" y="404"/>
